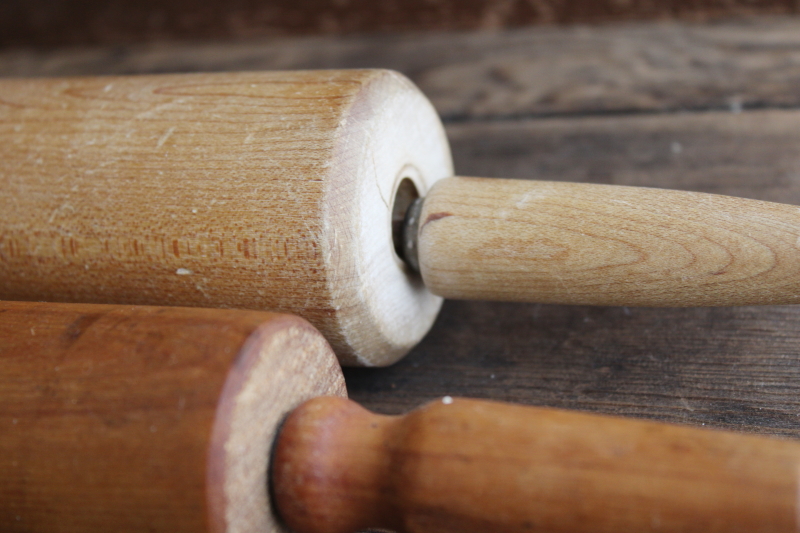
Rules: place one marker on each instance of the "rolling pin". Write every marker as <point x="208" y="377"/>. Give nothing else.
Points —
<point x="330" y="194"/>
<point x="122" y="418"/>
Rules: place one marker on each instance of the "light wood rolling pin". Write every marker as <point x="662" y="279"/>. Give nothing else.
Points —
<point x="290" y="191"/>
<point x="121" y="418"/>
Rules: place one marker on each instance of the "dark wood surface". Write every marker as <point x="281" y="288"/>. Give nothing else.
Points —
<point x="504" y="77"/>
<point x="67" y="22"/>
<point x="711" y="108"/>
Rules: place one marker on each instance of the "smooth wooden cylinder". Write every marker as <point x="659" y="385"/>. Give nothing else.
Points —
<point x="266" y="191"/>
<point x="469" y="466"/>
<point x="578" y="243"/>
<point x="118" y="418"/>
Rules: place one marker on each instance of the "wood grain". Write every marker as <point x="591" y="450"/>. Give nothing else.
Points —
<point x="578" y="243"/>
<point x="268" y="191"/>
<point x="733" y="368"/>
<point x="470" y="466"/>
<point x="636" y="67"/>
<point x="122" y="418"/>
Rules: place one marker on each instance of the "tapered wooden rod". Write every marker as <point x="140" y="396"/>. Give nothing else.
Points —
<point x="471" y="466"/>
<point x="574" y="243"/>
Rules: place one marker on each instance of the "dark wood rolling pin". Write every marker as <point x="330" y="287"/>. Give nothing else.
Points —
<point x="292" y="191"/>
<point x="162" y="420"/>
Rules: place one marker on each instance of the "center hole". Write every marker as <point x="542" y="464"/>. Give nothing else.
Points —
<point x="405" y="196"/>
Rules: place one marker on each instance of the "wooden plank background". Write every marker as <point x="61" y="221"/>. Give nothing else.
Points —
<point x="697" y="107"/>
<point x="68" y="22"/>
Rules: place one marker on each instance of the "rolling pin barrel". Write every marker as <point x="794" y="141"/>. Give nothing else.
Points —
<point x="122" y="418"/>
<point x="265" y="191"/>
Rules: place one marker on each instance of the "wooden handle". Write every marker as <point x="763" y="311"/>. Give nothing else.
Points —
<point x="470" y="466"/>
<point x="576" y="243"/>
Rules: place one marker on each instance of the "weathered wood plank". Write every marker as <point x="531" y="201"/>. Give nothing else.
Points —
<point x="734" y="368"/>
<point x="62" y="22"/>
<point x="536" y="71"/>
<point x="753" y="154"/>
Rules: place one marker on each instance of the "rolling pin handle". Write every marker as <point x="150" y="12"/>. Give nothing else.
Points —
<point x="590" y="244"/>
<point x="474" y="466"/>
